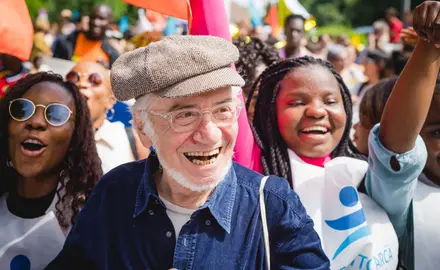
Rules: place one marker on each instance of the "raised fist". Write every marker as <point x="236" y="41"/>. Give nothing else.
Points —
<point x="427" y="21"/>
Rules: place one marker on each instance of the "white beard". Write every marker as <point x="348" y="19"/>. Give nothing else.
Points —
<point x="183" y="181"/>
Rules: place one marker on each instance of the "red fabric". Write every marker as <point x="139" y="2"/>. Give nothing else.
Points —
<point x="396" y="27"/>
<point x="175" y="8"/>
<point x="316" y="161"/>
<point x="16" y="30"/>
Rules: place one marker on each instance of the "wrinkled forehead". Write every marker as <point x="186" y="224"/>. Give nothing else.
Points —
<point x="209" y="98"/>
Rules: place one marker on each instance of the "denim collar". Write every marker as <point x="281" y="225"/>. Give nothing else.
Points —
<point x="220" y="204"/>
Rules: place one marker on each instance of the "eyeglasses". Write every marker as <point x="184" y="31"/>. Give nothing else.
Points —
<point x="74" y="77"/>
<point x="22" y="109"/>
<point x="186" y="120"/>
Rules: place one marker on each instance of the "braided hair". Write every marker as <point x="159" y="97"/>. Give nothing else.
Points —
<point x="253" y="51"/>
<point x="274" y="156"/>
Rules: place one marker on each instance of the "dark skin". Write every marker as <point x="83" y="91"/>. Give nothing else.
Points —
<point x="294" y="31"/>
<point x="100" y="18"/>
<point x="311" y="97"/>
<point x="431" y="136"/>
<point x="39" y="175"/>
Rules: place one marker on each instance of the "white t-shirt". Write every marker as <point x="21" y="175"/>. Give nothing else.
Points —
<point x="32" y="242"/>
<point x="113" y="145"/>
<point x="426" y="224"/>
<point x="179" y="216"/>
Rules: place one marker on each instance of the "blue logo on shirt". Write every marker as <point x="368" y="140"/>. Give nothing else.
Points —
<point x="20" y="262"/>
<point x="348" y="197"/>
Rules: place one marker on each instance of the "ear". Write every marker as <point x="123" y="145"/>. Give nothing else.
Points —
<point x="139" y="127"/>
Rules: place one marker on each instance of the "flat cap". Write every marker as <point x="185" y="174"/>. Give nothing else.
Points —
<point x="176" y="66"/>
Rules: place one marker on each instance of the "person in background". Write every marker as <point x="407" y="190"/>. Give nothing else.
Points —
<point x="338" y="57"/>
<point x="417" y="227"/>
<point x="12" y="70"/>
<point x="48" y="168"/>
<point x="255" y="57"/>
<point x="116" y="144"/>
<point x="376" y="65"/>
<point x="379" y="39"/>
<point x="295" y="34"/>
<point x="189" y="196"/>
<point x="92" y="45"/>
<point x="394" y="23"/>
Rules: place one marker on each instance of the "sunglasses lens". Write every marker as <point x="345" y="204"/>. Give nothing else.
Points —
<point x="95" y="79"/>
<point x="57" y="114"/>
<point x="21" y="109"/>
<point x="72" y="77"/>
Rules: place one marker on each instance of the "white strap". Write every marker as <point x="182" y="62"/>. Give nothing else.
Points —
<point x="264" y="220"/>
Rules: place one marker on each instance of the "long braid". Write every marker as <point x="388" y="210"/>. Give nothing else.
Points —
<point x="274" y="157"/>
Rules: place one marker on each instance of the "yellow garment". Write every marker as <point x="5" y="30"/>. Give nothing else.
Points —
<point x="40" y="46"/>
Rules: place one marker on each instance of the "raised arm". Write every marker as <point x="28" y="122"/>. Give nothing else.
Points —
<point x="408" y="105"/>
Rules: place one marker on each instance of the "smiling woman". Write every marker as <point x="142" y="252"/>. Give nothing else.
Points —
<point x="48" y="166"/>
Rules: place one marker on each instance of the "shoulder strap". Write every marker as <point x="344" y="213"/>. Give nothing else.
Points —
<point x="264" y="221"/>
<point x="130" y="136"/>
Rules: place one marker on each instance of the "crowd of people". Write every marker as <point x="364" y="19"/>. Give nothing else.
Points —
<point x="129" y="160"/>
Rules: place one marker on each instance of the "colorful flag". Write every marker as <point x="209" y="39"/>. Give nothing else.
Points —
<point x="16" y="30"/>
<point x="175" y="8"/>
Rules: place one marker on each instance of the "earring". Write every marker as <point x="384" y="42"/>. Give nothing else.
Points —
<point x="62" y="174"/>
<point x="110" y="114"/>
<point x="9" y="163"/>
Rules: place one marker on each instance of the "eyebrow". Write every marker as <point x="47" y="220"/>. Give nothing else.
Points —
<point x="306" y="93"/>
<point x="178" y="106"/>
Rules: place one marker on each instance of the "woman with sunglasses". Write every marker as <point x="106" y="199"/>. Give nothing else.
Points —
<point x="48" y="167"/>
<point x="116" y="144"/>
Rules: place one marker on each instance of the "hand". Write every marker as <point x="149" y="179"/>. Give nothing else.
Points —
<point x="427" y="22"/>
<point x="409" y="36"/>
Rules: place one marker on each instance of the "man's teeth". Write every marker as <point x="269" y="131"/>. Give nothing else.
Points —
<point x="204" y="162"/>
<point x="203" y="154"/>
<point x="33" y="141"/>
<point x="316" y="128"/>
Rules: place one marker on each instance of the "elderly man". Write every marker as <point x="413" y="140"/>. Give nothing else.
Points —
<point x="188" y="206"/>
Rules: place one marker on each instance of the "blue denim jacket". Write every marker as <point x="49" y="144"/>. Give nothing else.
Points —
<point x="124" y="225"/>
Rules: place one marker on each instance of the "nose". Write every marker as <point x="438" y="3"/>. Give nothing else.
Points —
<point x="83" y="83"/>
<point x="208" y="132"/>
<point x="315" y="110"/>
<point x="37" y="121"/>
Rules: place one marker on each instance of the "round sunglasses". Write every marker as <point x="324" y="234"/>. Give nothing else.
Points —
<point x="74" y="77"/>
<point x="22" y="109"/>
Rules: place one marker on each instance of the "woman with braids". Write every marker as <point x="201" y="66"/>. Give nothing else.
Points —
<point x="255" y="57"/>
<point x="302" y="124"/>
<point x="48" y="167"/>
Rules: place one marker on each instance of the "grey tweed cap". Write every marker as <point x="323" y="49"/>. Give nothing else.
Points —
<point x="176" y="66"/>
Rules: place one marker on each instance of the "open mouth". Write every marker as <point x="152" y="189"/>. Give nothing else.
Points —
<point x="203" y="158"/>
<point x="33" y="147"/>
<point x="318" y="130"/>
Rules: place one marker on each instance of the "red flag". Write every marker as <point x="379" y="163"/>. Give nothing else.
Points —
<point x="174" y="8"/>
<point x="16" y="30"/>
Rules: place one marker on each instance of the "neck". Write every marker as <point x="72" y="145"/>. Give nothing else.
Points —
<point x="36" y="187"/>
<point x="173" y="192"/>
<point x="292" y="51"/>
<point x="97" y="124"/>
<point x="373" y="79"/>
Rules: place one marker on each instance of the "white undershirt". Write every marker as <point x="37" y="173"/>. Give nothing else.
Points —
<point x="178" y="215"/>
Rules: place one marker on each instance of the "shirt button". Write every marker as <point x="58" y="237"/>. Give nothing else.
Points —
<point x="208" y="222"/>
<point x="156" y="201"/>
<point x="169" y="234"/>
<point x="151" y="212"/>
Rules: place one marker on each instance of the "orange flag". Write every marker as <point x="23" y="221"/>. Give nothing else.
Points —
<point x="175" y="8"/>
<point x="16" y="30"/>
